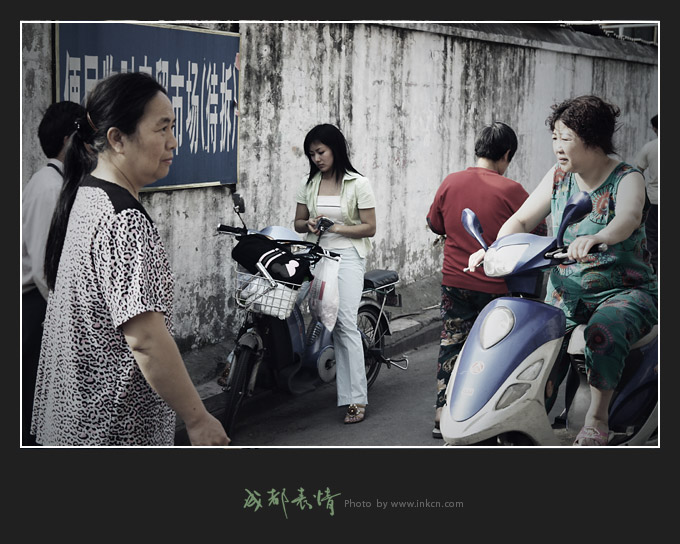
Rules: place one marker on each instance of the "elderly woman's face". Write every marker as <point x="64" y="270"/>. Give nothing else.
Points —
<point x="149" y="151"/>
<point x="568" y="147"/>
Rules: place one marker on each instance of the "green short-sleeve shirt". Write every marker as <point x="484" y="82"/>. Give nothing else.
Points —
<point x="356" y="194"/>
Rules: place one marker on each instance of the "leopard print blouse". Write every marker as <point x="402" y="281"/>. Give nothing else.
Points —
<point x="89" y="390"/>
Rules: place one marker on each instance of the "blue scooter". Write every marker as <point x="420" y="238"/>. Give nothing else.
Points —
<point x="507" y="375"/>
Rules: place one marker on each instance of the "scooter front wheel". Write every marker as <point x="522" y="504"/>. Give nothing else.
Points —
<point x="238" y="389"/>
<point x="373" y="339"/>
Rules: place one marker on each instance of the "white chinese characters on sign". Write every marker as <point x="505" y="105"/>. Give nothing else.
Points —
<point x="204" y="97"/>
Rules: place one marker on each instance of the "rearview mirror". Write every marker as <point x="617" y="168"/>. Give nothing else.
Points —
<point x="239" y="205"/>
<point x="472" y="226"/>
<point x="578" y="207"/>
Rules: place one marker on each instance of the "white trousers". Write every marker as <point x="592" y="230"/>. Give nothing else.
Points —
<point x="350" y="373"/>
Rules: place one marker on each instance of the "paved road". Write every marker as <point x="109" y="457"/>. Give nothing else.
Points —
<point x="400" y="412"/>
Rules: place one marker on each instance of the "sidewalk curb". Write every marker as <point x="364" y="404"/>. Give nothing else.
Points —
<point x="421" y="329"/>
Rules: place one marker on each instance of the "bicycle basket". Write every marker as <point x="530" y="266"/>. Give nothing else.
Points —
<point x="257" y="294"/>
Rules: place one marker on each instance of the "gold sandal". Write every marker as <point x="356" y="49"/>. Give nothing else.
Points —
<point x="355" y="413"/>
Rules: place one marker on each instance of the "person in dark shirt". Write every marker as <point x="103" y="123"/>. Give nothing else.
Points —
<point x="494" y="198"/>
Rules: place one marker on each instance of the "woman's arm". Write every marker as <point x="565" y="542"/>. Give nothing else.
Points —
<point x="302" y="222"/>
<point x="161" y="364"/>
<point x="365" y="229"/>
<point x="529" y="215"/>
<point x="534" y="209"/>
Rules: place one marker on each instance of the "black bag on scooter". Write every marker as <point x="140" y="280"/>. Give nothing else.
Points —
<point x="277" y="259"/>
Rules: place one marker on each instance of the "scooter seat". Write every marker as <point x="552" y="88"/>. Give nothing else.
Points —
<point x="577" y="342"/>
<point x="375" y="279"/>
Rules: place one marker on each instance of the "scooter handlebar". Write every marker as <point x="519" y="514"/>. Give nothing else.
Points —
<point x="314" y="250"/>
<point x="227" y="229"/>
<point x="561" y="253"/>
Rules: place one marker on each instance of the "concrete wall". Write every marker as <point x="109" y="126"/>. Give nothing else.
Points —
<point x="36" y="92"/>
<point x="409" y="97"/>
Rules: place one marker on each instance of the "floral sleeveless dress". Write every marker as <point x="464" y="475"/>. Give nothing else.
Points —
<point x="614" y="292"/>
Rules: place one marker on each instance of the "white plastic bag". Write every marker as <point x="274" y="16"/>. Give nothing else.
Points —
<point x="323" y="293"/>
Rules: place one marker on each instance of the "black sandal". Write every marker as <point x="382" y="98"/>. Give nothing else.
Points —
<point x="436" y="432"/>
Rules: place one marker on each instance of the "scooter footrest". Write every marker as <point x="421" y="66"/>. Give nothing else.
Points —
<point x="401" y="363"/>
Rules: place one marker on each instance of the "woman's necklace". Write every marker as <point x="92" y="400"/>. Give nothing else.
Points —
<point x="132" y="189"/>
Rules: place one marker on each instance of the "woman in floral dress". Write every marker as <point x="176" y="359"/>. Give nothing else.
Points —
<point x="614" y="292"/>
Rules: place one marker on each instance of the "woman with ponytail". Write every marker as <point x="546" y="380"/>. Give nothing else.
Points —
<point x="110" y="373"/>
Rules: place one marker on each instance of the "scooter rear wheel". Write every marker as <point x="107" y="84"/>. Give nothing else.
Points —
<point x="238" y="388"/>
<point x="373" y="339"/>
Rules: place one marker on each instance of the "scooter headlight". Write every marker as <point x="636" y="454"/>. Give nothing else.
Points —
<point x="502" y="261"/>
<point x="496" y="326"/>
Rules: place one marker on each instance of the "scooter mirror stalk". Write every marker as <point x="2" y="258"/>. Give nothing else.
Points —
<point x="578" y="207"/>
<point x="237" y="199"/>
<point x="473" y="227"/>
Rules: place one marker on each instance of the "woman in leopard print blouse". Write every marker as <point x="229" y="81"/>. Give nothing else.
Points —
<point x="110" y="373"/>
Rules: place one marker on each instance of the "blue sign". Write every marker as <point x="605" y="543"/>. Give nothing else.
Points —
<point x="198" y="68"/>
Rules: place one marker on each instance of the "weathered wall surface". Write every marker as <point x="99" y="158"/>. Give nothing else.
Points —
<point x="409" y="98"/>
<point x="36" y="92"/>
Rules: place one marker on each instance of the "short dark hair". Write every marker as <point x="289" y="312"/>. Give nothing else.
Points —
<point x="494" y="141"/>
<point x="58" y="123"/>
<point x="655" y="121"/>
<point x="593" y="119"/>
